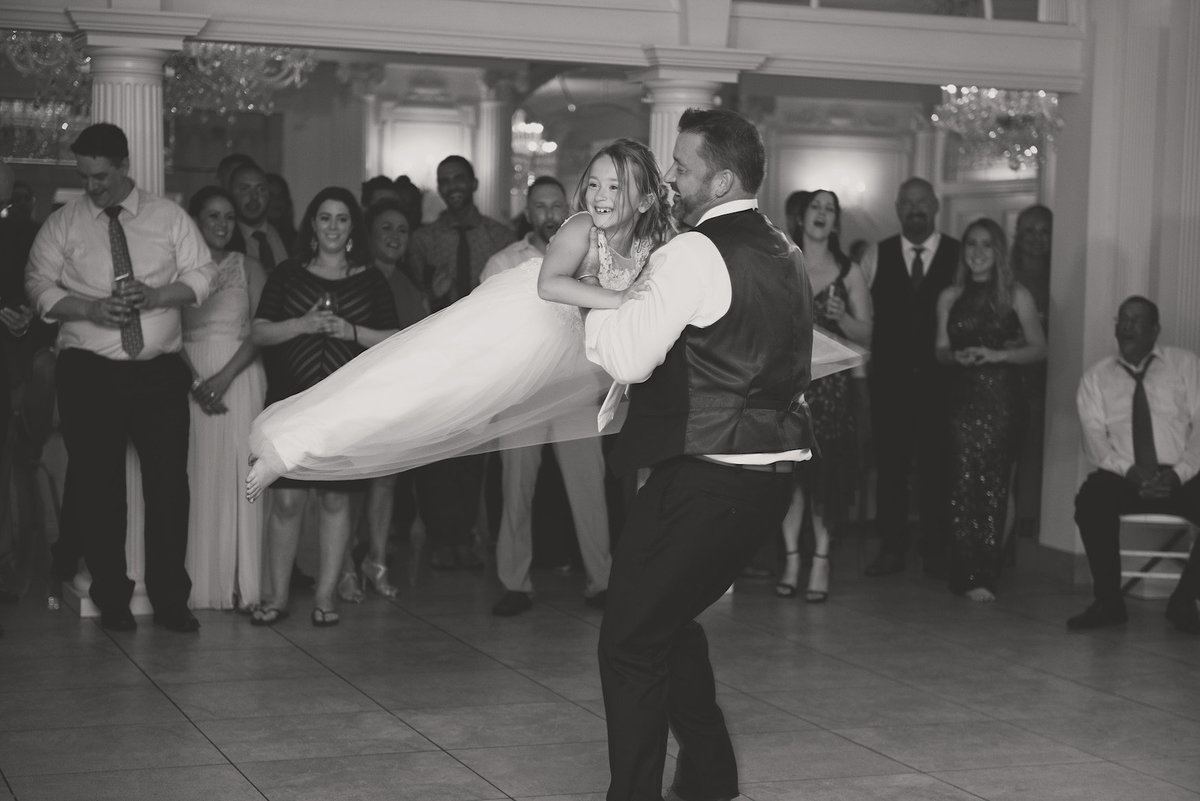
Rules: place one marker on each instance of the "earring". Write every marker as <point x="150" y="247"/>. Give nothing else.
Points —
<point x="312" y="243"/>
<point x="350" y="244"/>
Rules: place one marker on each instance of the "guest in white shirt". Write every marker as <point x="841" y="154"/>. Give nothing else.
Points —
<point x="114" y="266"/>
<point x="580" y="460"/>
<point x="1140" y="413"/>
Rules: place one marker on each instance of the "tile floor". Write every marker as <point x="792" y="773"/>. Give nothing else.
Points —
<point x="893" y="690"/>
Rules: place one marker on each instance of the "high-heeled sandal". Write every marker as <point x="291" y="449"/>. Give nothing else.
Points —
<point x="783" y="589"/>
<point x="375" y="576"/>
<point x="817" y="596"/>
<point x="349" y="589"/>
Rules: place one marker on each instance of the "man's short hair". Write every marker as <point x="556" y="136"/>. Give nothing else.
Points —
<point x="458" y="160"/>
<point x="1150" y="305"/>
<point x="915" y="181"/>
<point x="730" y="142"/>
<point x="545" y="180"/>
<point x="245" y="166"/>
<point x="102" y="140"/>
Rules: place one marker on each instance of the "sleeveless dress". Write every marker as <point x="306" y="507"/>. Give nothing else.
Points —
<point x="499" y="362"/>
<point x="224" y="549"/>
<point x="987" y="416"/>
<point x="829" y="476"/>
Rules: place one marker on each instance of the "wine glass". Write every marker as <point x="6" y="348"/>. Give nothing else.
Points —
<point x="327" y="302"/>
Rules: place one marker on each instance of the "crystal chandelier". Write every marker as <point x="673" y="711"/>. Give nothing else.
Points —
<point x="204" y="76"/>
<point x="1013" y="124"/>
<point x="222" y="77"/>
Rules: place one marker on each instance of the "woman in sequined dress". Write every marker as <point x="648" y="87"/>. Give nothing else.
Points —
<point x="987" y="326"/>
<point x="842" y="306"/>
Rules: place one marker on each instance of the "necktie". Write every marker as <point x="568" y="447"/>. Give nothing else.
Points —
<point x="266" y="256"/>
<point x="918" y="267"/>
<point x="131" y="332"/>
<point x="1144" y="453"/>
<point x="462" y="263"/>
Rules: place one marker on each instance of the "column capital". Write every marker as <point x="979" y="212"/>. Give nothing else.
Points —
<point x="698" y="63"/>
<point x="135" y="29"/>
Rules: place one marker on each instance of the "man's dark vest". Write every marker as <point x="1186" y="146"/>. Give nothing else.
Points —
<point x="905" y="326"/>
<point x="735" y="386"/>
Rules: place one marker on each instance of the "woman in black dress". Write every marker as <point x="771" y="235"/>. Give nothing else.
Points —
<point x="318" y="311"/>
<point x="841" y="305"/>
<point x="987" y="326"/>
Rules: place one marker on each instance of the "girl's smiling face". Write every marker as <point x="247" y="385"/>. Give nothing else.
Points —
<point x="389" y="236"/>
<point x="611" y="204"/>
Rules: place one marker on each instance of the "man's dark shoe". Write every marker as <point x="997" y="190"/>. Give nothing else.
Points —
<point x="598" y="600"/>
<point x="120" y="620"/>
<point x="512" y="603"/>
<point x="1098" y="616"/>
<point x="1182" y="613"/>
<point x="885" y="565"/>
<point x="182" y="622"/>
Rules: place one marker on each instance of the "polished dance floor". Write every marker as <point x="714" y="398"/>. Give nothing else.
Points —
<point x="893" y="690"/>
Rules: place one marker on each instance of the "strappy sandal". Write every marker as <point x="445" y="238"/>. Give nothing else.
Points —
<point x="375" y="575"/>
<point x="349" y="589"/>
<point x="783" y="589"/>
<point x="818" y="596"/>
<point x="267" y="615"/>
<point x="323" y="618"/>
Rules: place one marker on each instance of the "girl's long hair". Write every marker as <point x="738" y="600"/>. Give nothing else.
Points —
<point x="636" y="166"/>
<point x="1001" y="283"/>
<point x="305" y="248"/>
<point x="835" y="241"/>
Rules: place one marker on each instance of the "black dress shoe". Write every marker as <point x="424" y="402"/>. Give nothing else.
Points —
<point x="885" y="565"/>
<point x="182" y="622"/>
<point x="512" y="603"/>
<point x="1183" y="615"/>
<point x="1098" y="616"/>
<point x="119" y="620"/>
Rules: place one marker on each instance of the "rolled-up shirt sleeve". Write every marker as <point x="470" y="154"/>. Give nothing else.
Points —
<point x="194" y="259"/>
<point x="686" y="283"/>
<point x="43" y="272"/>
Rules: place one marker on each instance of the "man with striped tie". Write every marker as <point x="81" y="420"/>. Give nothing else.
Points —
<point x="114" y="266"/>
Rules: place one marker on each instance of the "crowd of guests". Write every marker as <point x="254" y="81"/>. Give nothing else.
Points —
<point x="233" y="305"/>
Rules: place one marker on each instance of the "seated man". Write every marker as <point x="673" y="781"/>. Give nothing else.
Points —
<point x="1140" y="413"/>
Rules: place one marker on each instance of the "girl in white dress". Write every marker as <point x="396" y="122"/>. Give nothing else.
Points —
<point x="507" y="356"/>
<point x="500" y="362"/>
<point x="224" y="552"/>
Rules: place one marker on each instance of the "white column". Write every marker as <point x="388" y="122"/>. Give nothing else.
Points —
<point x="493" y="146"/>
<point x="127" y="90"/>
<point x="1179" y="283"/>
<point x="669" y="98"/>
<point x="1106" y="232"/>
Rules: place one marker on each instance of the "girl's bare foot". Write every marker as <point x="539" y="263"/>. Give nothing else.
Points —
<point x="263" y="471"/>
<point x="982" y="594"/>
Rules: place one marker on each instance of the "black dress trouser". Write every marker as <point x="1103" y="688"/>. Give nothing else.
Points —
<point x="689" y="532"/>
<point x="1101" y="501"/>
<point x="912" y="437"/>
<point x="104" y="404"/>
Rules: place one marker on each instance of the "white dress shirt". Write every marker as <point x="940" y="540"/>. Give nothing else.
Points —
<point x="870" y="260"/>
<point x="684" y="283"/>
<point x="72" y="257"/>
<point x="1105" y="403"/>
<point x="518" y="252"/>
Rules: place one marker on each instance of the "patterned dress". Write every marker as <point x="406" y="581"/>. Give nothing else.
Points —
<point x="829" y="476"/>
<point x="987" y="415"/>
<point x="363" y="298"/>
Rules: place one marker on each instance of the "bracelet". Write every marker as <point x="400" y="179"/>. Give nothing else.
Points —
<point x="196" y="382"/>
<point x="588" y="275"/>
<point x="355" y="327"/>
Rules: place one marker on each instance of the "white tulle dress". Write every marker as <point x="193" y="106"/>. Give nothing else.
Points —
<point x="499" y="362"/>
